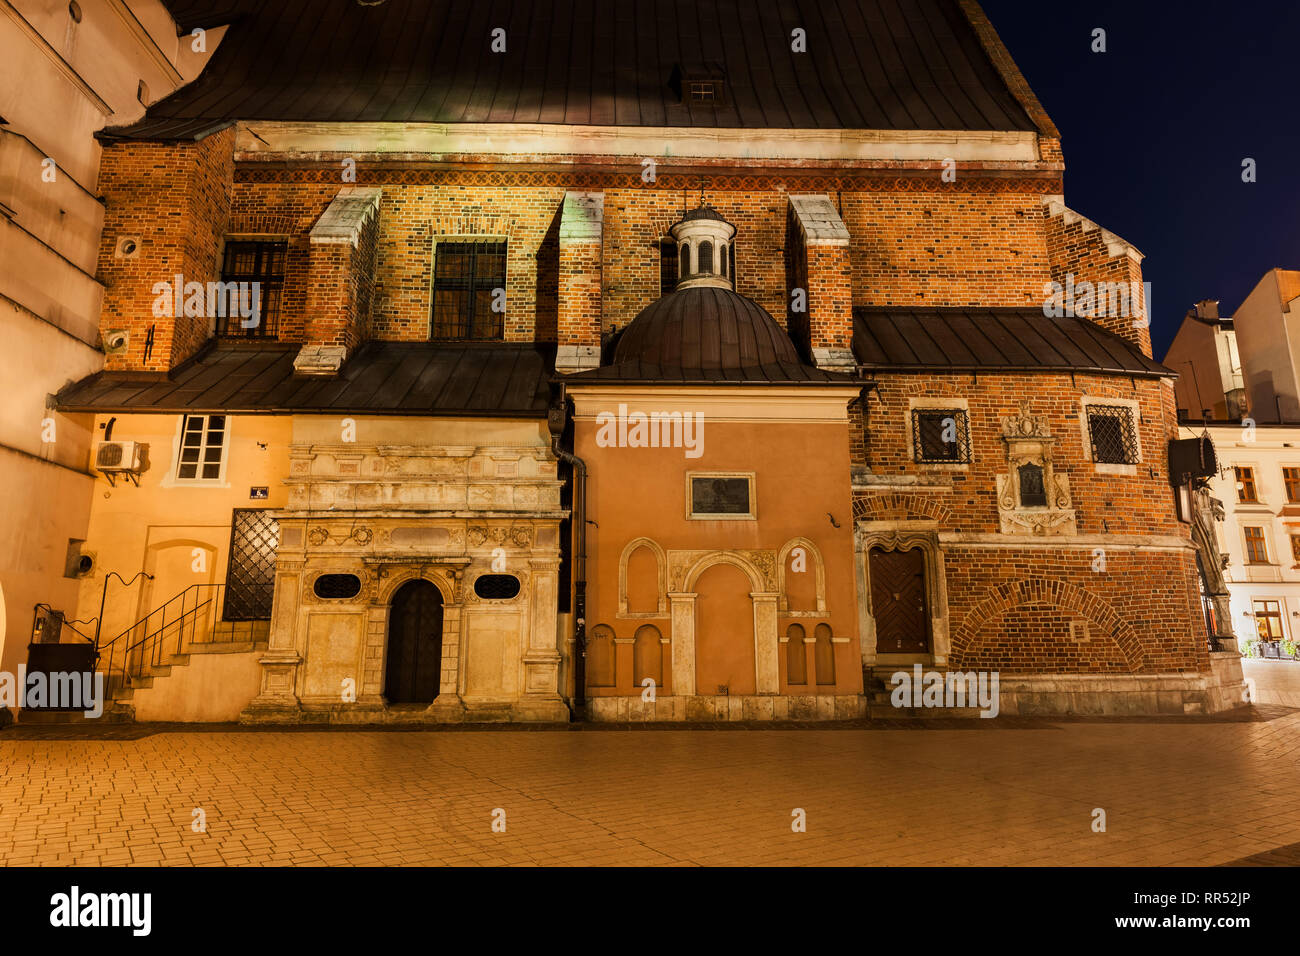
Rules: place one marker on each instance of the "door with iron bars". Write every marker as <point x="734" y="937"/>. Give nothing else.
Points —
<point x="898" y="601"/>
<point x="250" y="576"/>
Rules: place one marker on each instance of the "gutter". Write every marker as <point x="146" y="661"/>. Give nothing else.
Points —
<point x="557" y="418"/>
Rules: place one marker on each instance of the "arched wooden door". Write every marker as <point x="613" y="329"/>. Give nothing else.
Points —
<point x="898" y="601"/>
<point x="414" y="644"/>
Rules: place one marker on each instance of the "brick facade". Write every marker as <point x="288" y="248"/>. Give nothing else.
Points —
<point x="174" y="200"/>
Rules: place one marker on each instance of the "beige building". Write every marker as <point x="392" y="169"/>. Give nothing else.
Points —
<point x="1258" y="483"/>
<point x="68" y="70"/>
<point x="1204" y="353"/>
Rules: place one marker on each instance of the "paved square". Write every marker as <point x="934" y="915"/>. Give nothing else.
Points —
<point x="1191" y="792"/>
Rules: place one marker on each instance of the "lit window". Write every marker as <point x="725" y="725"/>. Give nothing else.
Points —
<point x="203" y="448"/>
<point x="1110" y="430"/>
<point x="466" y="280"/>
<point x="1295" y="548"/>
<point x="1246" y="485"/>
<point x="1268" y="620"/>
<point x="1291" y="477"/>
<point x="1256" y="551"/>
<point x="940" y="436"/>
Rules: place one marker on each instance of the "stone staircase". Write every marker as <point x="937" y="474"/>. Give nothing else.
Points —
<point x="120" y="707"/>
<point x="879" y="689"/>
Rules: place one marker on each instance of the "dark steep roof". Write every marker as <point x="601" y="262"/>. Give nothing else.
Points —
<point x="382" y="378"/>
<point x="991" y="340"/>
<point x="870" y="64"/>
<point x="707" y="335"/>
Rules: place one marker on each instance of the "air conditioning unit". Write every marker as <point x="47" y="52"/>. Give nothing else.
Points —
<point x="118" y="458"/>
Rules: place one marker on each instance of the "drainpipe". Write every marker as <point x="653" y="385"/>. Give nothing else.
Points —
<point x="557" y="418"/>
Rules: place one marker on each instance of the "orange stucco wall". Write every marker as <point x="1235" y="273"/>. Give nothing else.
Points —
<point x="802" y="482"/>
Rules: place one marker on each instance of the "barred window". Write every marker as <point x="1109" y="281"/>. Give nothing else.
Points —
<point x="251" y="307"/>
<point x="1110" y="430"/>
<point x="466" y="278"/>
<point x="667" y="266"/>
<point x="203" y="447"/>
<point x="941" y="436"/>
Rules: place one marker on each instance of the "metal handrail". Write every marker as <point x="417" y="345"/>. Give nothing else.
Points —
<point x="64" y="624"/>
<point x="191" y="617"/>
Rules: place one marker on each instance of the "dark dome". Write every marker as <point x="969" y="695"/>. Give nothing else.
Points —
<point x="703" y="212"/>
<point x="705" y="328"/>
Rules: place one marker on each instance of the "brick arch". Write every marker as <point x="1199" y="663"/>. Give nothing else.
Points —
<point x="1056" y="593"/>
<point x="263" y="224"/>
<point x="900" y="504"/>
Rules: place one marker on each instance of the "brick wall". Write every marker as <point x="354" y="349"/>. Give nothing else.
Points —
<point x="175" y="197"/>
<point x="1081" y="250"/>
<point x="1010" y="602"/>
<point x="340" y="292"/>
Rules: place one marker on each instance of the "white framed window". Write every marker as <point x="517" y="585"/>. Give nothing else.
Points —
<point x="201" y="450"/>
<point x="1110" y="434"/>
<point x="720" y="496"/>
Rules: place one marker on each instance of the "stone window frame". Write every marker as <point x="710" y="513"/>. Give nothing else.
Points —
<point x="1254" y="470"/>
<point x="433" y="278"/>
<point x="1265" y="538"/>
<point x="1085" y="434"/>
<point x="1285" y="490"/>
<point x="661" y="561"/>
<point x="938" y="403"/>
<point x="172" y="479"/>
<point x="753" y="496"/>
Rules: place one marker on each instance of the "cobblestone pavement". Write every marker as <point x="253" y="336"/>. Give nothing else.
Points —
<point x="1175" y="791"/>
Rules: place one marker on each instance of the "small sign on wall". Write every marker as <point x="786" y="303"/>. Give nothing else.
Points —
<point x="259" y="493"/>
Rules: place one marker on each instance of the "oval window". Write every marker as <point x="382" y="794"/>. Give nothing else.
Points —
<point x="496" y="587"/>
<point x="337" y="586"/>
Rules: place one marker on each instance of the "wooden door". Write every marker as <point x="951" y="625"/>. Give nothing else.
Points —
<point x="898" y="602"/>
<point x="414" y="666"/>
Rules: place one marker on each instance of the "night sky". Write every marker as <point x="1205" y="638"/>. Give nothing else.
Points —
<point x="1155" y="130"/>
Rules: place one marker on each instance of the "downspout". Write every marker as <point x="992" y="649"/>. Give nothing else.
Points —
<point x="557" y="417"/>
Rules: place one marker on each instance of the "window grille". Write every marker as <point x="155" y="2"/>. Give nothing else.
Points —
<point x="465" y="279"/>
<point x="667" y="266"/>
<point x="496" y="587"/>
<point x="250" y="576"/>
<point x="941" y="436"/>
<point x="260" y="262"/>
<point x="1110" y="429"/>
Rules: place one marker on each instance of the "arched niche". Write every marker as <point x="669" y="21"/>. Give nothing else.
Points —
<point x="660" y="609"/>
<point x="816" y="568"/>
<point x="601" y="657"/>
